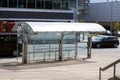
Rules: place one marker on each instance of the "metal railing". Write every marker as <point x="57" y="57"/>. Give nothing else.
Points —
<point x="54" y="52"/>
<point x="109" y="66"/>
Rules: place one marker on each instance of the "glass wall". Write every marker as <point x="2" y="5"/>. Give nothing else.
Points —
<point x="3" y="3"/>
<point x="21" y="4"/>
<point x="12" y="3"/>
<point x="39" y="4"/>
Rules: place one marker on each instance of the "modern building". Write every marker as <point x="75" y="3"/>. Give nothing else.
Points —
<point x="40" y="10"/>
<point x="105" y="13"/>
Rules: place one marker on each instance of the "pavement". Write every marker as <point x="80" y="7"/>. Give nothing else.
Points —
<point x="80" y="69"/>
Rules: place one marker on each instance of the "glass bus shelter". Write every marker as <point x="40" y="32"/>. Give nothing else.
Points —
<point x="55" y="41"/>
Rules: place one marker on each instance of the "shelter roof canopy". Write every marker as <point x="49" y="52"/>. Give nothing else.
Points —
<point x="65" y="27"/>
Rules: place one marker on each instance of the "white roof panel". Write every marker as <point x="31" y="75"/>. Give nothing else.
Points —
<point x="65" y="27"/>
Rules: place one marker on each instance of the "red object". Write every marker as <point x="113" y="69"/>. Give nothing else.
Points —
<point x="1" y="26"/>
<point x="10" y="26"/>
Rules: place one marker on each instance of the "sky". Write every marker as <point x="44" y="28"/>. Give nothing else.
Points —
<point x="97" y="1"/>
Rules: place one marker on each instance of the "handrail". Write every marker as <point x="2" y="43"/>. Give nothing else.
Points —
<point x="109" y="66"/>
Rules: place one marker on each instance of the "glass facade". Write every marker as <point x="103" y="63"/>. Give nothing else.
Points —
<point x="39" y="4"/>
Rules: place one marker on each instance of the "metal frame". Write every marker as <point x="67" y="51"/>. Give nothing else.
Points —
<point x="60" y="51"/>
<point x="109" y="66"/>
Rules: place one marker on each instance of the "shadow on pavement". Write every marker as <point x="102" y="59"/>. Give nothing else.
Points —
<point x="19" y="66"/>
<point x="116" y="78"/>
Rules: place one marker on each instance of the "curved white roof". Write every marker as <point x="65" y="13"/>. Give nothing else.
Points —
<point x="65" y="27"/>
<point x="58" y="27"/>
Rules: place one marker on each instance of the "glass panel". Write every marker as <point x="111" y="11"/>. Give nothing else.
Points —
<point x="13" y="3"/>
<point x="45" y="37"/>
<point x="40" y="4"/>
<point x="72" y="4"/>
<point x="56" y="4"/>
<point x="69" y="38"/>
<point x="31" y="4"/>
<point x="83" y="44"/>
<point x="3" y="3"/>
<point x="64" y="4"/>
<point x="48" y="4"/>
<point x="42" y="52"/>
<point x="21" y="3"/>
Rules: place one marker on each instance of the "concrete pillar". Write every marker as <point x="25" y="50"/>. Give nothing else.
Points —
<point x="1" y="26"/>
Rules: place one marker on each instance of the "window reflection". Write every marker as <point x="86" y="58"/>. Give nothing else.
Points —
<point x="48" y="4"/>
<point x="21" y="4"/>
<point x="39" y="4"/>
<point x="13" y="3"/>
<point x="3" y="3"/>
<point x="30" y="3"/>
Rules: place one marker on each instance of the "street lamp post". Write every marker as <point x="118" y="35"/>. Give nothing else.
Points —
<point x="111" y="16"/>
<point x="77" y="10"/>
<point x="111" y="21"/>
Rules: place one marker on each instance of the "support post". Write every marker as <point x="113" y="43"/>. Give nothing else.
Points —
<point x="60" y="47"/>
<point x="60" y="50"/>
<point x="100" y="73"/>
<point x="114" y="73"/>
<point x="89" y="46"/>
<point x="76" y="45"/>
<point x="25" y="49"/>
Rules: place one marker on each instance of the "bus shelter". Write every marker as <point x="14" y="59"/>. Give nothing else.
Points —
<point x="55" y="40"/>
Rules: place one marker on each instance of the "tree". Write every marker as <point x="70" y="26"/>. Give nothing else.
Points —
<point x="117" y="27"/>
<point x="81" y="21"/>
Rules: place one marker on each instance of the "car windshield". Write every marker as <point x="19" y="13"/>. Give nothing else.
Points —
<point x="98" y="38"/>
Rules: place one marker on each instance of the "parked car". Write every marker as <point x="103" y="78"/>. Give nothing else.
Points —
<point x="105" y="41"/>
<point x="116" y="33"/>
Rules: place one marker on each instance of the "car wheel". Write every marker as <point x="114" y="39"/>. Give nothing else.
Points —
<point x="98" y="45"/>
<point x="115" y="45"/>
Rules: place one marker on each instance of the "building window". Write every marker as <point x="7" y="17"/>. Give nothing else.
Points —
<point x="63" y="4"/>
<point x="72" y="4"/>
<point x="40" y="4"/>
<point x="48" y="4"/>
<point x="30" y="3"/>
<point x="13" y="3"/>
<point x="21" y="3"/>
<point x="3" y="3"/>
<point x="56" y="4"/>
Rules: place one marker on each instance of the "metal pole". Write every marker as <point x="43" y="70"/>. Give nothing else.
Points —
<point x="89" y="47"/>
<point x="44" y="56"/>
<point x="33" y="51"/>
<point x="24" y="57"/>
<point x="76" y="10"/>
<point x="111" y="23"/>
<point x="49" y="50"/>
<point x="76" y="46"/>
<point x="55" y="55"/>
<point x="68" y="54"/>
<point x="60" y="50"/>
<point x="114" y="73"/>
<point x="100" y="73"/>
<point x="60" y="47"/>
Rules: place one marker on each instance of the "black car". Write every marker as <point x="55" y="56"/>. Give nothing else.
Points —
<point x="105" y="41"/>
